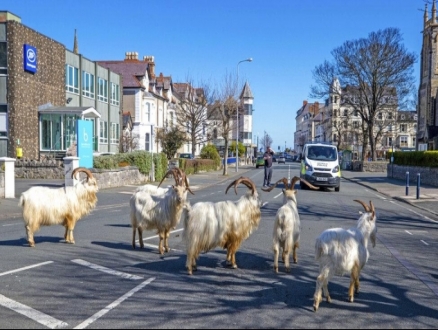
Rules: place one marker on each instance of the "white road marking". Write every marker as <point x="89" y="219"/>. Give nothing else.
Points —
<point x="156" y="247"/>
<point x="31" y="313"/>
<point x="408" y="232"/>
<point x="25" y="268"/>
<point x="12" y="224"/>
<point x="278" y="195"/>
<point x="108" y="308"/>
<point x="421" y="215"/>
<point x="107" y="270"/>
<point x="425" y="243"/>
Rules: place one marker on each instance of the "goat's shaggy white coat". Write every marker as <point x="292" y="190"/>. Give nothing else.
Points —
<point x="287" y="225"/>
<point x="223" y="224"/>
<point x="44" y="206"/>
<point x="344" y="251"/>
<point x="158" y="208"/>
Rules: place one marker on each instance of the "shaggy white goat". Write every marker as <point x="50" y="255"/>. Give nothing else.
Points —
<point x="158" y="209"/>
<point x="43" y="206"/>
<point x="226" y="224"/>
<point x="344" y="251"/>
<point x="287" y="225"/>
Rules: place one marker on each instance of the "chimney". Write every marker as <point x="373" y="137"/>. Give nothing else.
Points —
<point x="304" y="103"/>
<point x="131" y="56"/>
<point x="151" y="66"/>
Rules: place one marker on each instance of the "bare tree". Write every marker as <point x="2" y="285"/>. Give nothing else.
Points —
<point x="171" y="139"/>
<point x="267" y="141"/>
<point x="223" y="112"/>
<point x="128" y="141"/>
<point x="377" y="75"/>
<point x="192" y="109"/>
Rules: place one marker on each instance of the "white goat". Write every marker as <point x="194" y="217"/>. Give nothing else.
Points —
<point x="226" y="224"/>
<point x="43" y="206"/>
<point x="340" y="251"/>
<point x="287" y="225"/>
<point x="158" y="209"/>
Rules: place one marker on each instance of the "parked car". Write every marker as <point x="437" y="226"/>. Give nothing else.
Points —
<point x="281" y="159"/>
<point x="260" y="161"/>
<point x="186" y="156"/>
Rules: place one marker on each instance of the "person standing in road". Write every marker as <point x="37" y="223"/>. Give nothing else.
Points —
<point x="268" y="156"/>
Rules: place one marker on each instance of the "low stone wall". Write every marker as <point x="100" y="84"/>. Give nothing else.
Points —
<point x="2" y="184"/>
<point x="119" y="177"/>
<point x="45" y="169"/>
<point x="428" y="175"/>
<point x="376" y="166"/>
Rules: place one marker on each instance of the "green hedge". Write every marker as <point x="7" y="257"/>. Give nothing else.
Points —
<point x="416" y="158"/>
<point x="141" y="159"/>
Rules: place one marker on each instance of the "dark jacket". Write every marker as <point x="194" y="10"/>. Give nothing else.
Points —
<point x="268" y="158"/>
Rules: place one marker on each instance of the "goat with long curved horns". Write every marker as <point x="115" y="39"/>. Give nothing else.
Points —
<point x="225" y="224"/>
<point x="287" y="225"/>
<point x="44" y="206"/>
<point x="344" y="251"/>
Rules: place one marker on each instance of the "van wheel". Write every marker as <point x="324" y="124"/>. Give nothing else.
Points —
<point x="337" y="188"/>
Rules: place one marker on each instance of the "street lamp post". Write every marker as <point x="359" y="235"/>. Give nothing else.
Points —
<point x="237" y="115"/>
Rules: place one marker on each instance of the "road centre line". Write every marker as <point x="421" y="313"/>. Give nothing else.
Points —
<point x="424" y="242"/>
<point x="114" y="304"/>
<point x="107" y="270"/>
<point x="31" y="313"/>
<point x="408" y="232"/>
<point x="25" y="268"/>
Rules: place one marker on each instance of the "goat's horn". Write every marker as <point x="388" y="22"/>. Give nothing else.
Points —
<point x="366" y="207"/>
<point x="82" y="169"/>
<point x="308" y="184"/>
<point x="173" y="172"/>
<point x="294" y="180"/>
<point x="372" y="208"/>
<point x="284" y="180"/>
<point x="186" y="181"/>
<point x="246" y="181"/>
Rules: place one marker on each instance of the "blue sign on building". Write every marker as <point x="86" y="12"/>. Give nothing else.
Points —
<point x="84" y="132"/>
<point x="30" y="58"/>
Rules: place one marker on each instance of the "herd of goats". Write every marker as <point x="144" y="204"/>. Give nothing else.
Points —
<point x="208" y="225"/>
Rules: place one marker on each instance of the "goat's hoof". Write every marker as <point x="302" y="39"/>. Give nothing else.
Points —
<point x="70" y="242"/>
<point x="295" y="261"/>
<point x="315" y="308"/>
<point x="276" y="269"/>
<point x="351" y="298"/>
<point x="234" y="266"/>
<point x="31" y="244"/>
<point x="329" y="299"/>
<point x="287" y="269"/>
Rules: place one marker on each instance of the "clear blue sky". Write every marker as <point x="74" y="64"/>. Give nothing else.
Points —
<point x="205" y="39"/>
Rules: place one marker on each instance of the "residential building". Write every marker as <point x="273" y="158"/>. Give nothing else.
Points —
<point x="45" y="88"/>
<point x="427" y="133"/>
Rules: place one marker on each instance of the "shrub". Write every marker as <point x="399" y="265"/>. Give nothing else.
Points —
<point x="210" y="152"/>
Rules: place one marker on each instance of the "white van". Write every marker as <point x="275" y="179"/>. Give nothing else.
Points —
<point x="320" y="166"/>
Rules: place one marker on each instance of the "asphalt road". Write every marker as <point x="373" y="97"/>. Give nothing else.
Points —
<point x="101" y="282"/>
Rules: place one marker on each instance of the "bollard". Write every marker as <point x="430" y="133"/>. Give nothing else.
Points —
<point x="407" y="183"/>
<point x="418" y="185"/>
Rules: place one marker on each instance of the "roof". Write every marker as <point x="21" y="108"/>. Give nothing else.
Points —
<point x="84" y="112"/>
<point x="129" y="70"/>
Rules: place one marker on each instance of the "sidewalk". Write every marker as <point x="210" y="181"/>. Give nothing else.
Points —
<point x="394" y="188"/>
<point x="378" y="181"/>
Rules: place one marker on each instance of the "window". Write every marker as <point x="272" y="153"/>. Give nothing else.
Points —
<point x="102" y="94"/>
<point x="380" y="116"/>
<point x="345" y="124"/>
<point x="71" y="79"/>
<point x="87" y="84"/>
<point x="115" y="94"/>
<point x="390" y="116"/>
<point x="355" y="124"/>
<point x="103" y="132"/>
<point x="345" y="112"/>
<point x="3" y="58"/>
<point x="356" y="113"/>
<point x="147" y="142"/>
<point x="148" y="112"/>
<point x="115" y="133"/>
<point x="403" y="128"/>
<point x="403" y="141"/>
<point x="335" y="138"/>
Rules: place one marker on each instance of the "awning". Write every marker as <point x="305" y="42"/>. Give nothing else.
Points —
<point x="83" y="112"/>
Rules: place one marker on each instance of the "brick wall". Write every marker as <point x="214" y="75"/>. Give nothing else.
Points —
<point x="27" y="91"/>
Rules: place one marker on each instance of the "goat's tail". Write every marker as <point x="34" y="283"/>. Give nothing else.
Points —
<point x="320" y="249"/>
<point x="21" y="201"/>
